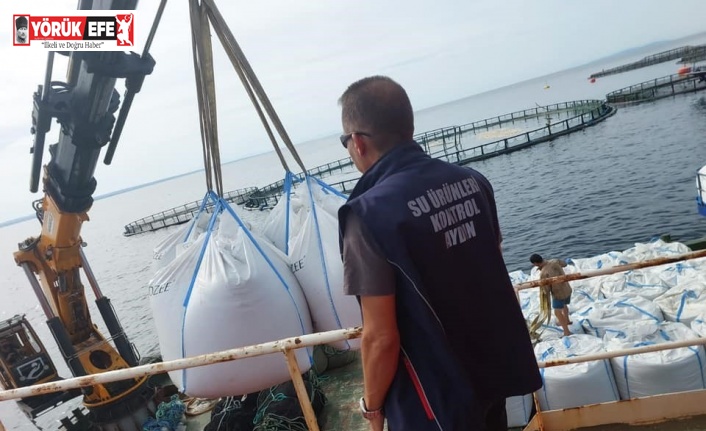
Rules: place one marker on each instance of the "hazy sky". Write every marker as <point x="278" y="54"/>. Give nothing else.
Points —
<point x="306" y="52"/>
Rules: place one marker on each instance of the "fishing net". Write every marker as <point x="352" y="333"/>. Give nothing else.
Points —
<point x="278" y="408"/>
<point x="168" y="417"/>
<point x="233" y="414"/>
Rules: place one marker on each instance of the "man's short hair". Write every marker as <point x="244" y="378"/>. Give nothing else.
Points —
<point x="21" y="22"/>
<point x="378" y="105"/>
<point x="535" y="258"/>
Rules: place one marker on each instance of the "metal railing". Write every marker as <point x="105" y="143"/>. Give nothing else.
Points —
<point x="288" y="345"/>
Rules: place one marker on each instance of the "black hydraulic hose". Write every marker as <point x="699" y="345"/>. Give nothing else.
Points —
<point x="133" y="88"/>
<point x="39" y="128"/>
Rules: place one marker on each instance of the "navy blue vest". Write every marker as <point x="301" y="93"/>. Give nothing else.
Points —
<point x="464" y="339"/>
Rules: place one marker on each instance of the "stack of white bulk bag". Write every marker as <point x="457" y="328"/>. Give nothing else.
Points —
<point x="652" y="250"/>
<point x="605" y="260"/>
<point x="227" y="289"/>
<point x="304" y="224"/>
<point x="574" y="385"/>
<point x="685" y="301"/>
<point x="643" y="282"/>
<point x="517" y="277"/>
<point x="570" y="268"/>
<point x="529" y="302"/>
<point x="659" y="372"/>
<point x="518" y="410"/>
<point x="615" y="314"/>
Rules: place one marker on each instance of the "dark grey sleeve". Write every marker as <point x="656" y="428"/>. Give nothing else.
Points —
<point x="366" y="272"/>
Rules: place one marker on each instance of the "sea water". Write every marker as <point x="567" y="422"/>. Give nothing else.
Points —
<point x="624" y="180"/>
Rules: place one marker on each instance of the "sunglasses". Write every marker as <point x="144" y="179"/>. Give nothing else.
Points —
<point x="347" y="137"/>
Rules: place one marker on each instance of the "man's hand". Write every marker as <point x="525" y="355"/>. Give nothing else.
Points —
<point x="377" y="424"/>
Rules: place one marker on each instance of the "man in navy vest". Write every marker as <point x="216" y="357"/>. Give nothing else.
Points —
<point x="444" y="340"/>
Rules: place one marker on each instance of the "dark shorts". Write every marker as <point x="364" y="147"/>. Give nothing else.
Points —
<point x="560" y="303"/>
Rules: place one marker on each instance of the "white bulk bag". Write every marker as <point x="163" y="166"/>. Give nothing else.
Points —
<point x="685" y="301"/>
<point x="312" y="248"/>
<point x="228" y="289"/>
<point x="518" y="410"/>
<point x="674" y="273"/>
<point x="553" y="330"/>
<point x="652" y="250"/>
<point x="605" y="260"/>
<point x="614" y="314"/>
<point x="570" y="268"/>
<point x="698" y="325"/>
<point x="582" y="297"/>
<point x="699" y="264"/>
<point x="574" y="385"/>
<point x="529" y="302"/>
<point x="660" y="372"/>
<point x="631" y="283"/>
<point x="517" y="277"/>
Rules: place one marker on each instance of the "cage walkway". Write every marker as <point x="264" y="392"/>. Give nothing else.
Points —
<point x="684" y="54"/>
<point x="659" y="88"/>
<point x="448" y="143"/>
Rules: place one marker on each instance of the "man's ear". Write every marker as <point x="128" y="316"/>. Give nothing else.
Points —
<point x="360" y="145"/>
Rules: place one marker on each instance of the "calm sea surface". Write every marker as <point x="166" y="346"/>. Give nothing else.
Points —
<point x="625" y="180"/>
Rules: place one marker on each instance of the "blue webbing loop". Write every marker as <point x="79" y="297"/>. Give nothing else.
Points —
<point x="625" y="304"/>
<point x="644" y="343"/>
<point x="567" y="342"/>
<point x="210" y="195"/>
<point x="216" y="211"/>
<point x="590" y="326"/>
<point x="625" y="363"/>
<point x="640" y="285"/>
<point x="686" y="294"/>
<point x="584" y="293"/>
<point x="321" y="253"/>
<point x="625" y="374"/>
<point x="611" y="378"/>
<point x="328" y="188"/>
<point x="618" y="333"/>
<point x="696" y="351"/>
<point x="586" y="311"/>
<point x="544" y="387"/>
<point x="546" y="353"/>
<point x="288" y="193"/>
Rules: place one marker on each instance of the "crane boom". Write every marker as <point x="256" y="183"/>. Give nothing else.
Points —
<point x="85" y="107"/>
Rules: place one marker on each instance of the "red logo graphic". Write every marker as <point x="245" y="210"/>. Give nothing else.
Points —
<point x="125" y="30"/>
